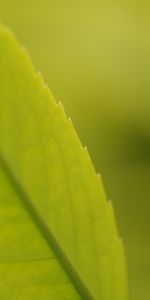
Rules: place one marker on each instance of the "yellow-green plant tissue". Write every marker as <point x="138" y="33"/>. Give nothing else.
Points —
<point x="58" y="238"/>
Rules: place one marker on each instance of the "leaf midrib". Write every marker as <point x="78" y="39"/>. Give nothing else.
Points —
<point x="47" y="234"/>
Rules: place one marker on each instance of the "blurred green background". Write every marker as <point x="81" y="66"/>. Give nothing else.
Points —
<point x="95" y="56"/>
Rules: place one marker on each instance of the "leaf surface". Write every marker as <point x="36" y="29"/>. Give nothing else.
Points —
<point x="58" y="235"/>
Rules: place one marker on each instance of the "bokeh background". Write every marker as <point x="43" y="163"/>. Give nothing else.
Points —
<point x="95" y="56"/>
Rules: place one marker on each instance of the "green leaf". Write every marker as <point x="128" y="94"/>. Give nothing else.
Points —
<point x="58" y="234"/>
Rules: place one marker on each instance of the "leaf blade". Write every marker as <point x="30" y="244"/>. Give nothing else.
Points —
<point x="43" y="151"/>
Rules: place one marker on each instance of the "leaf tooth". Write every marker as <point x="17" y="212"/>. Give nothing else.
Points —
<point x="99" y="175"/>
<point x="69" y="120"/>
<point x="66" y="118"/>
<point x="45" y="88"/>
<point x="36" y="75"/>
<point x="85" y="148"/>
<point x="62" y="110"/>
